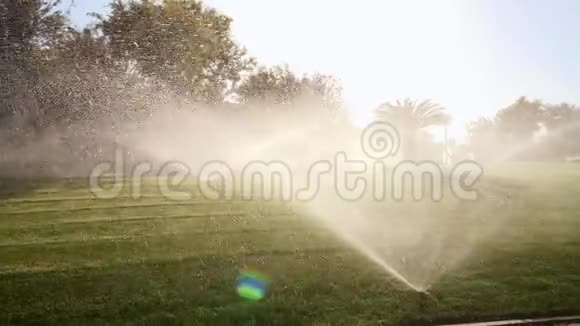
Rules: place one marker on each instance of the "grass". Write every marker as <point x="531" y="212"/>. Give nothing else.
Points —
<point x="67" y="258"/>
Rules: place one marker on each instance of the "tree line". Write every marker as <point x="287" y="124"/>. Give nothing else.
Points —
<point x="54" y="74"/>
<point x="180" y="52"/>
<point x="528" y="130"/>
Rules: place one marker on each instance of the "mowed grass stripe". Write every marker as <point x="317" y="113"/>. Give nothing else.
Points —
<point x="118" y="219"/>
<point x="51" y="199"/>
<point x="136" y="227"/>
<point x="114" y="204"/>
<point x="32" y="219"/>
<point x="103" y="251"/>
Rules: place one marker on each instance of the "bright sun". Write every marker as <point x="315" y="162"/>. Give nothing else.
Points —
<point x="380" y="50"/>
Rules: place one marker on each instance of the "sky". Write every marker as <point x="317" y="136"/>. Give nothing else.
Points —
<point x="473" y="57"/>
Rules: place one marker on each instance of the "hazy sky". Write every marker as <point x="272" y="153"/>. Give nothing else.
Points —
<point x="473" y="57"/>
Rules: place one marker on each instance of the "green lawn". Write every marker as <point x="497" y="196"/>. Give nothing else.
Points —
<point x="66" y="258"/>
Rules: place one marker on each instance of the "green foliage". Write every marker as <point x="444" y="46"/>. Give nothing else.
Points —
<point x="276" y="85"/>
<point x="180" y="42"/>
<point x="482" y="135"/>
<point x="279" y="87"/>
<point x="528" y="130"/>
<point x="562" y="126"/>
<point x="53" y="75"/>
<point x="410" y="114"/>
<point x="29" y="24"/>
<point x="519" y="121"/>
<point x="28" y="30"/>
<point x="412" y="118"/>
<point x="84" y="49"/>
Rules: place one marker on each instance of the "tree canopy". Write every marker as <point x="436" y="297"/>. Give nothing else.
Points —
<point x="180" y="42"/>
<point x="147" y="52"/>
<point x="527" y="130"/>
<point x="412" y="118"/>
<point x="279" y="87"/>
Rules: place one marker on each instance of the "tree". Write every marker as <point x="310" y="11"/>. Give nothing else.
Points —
<point x="516" y="128"/>
<point x="519" y="122"/>
<point x="562" y="131"/>
<point x="279" y="87"/>
<point x="26" y="25"/>
<point x="270" y="86"/>
<point x="528" y="130"/>
<point x="324" y="91"/>
<point x="178" y="41"/>
<point x="29" y="31"/>
<point x="412" y="118"/>
<point x="482" y="137"/>
<point x="84" y="49"/>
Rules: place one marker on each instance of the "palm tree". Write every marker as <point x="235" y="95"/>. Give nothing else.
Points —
<point x="411" y="118"/>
